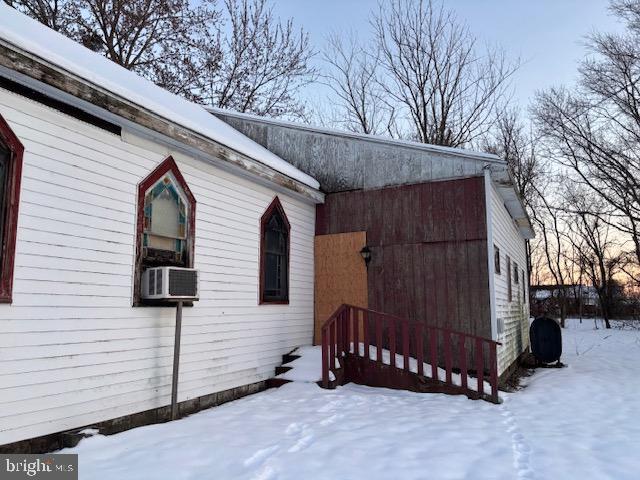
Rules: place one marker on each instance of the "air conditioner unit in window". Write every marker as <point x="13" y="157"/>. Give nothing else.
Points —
<point x="170" y="283"/>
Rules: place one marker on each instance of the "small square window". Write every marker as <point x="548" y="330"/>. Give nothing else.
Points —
<point x="496" y="259"/>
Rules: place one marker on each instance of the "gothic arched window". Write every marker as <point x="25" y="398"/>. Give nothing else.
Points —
<point x="11" y="151"/>
<point x="274" y="255"/>
<point x="166" y="221"/>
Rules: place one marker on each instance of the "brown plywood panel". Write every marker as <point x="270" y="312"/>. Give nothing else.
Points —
<point x="340" y="275"/>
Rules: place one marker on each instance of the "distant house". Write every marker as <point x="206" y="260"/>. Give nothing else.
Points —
<point x="105" y="175"/>
<point x="580" y="300"/>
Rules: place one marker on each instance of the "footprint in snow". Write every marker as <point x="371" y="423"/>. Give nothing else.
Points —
<point x="260" y="456"/>
<point x="521" y="450"/>
<point x="301" y="444"/>
<point x="293" y="428"/>
<point x="329" y="420"/>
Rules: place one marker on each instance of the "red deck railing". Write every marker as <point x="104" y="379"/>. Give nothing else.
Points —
<point x="351" y="332"/>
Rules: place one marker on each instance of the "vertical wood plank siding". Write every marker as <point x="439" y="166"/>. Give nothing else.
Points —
<point x="73" y="351"/>
<point x="429" y="249"/>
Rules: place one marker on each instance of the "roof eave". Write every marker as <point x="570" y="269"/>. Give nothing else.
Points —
<point x="38" y="73"/>
<point x="505" y="187"/>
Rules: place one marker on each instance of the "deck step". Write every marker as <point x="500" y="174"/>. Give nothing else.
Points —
<point x="276" y="382"/>
<point x="289" y="357"/>
<point x="281" y="369"/>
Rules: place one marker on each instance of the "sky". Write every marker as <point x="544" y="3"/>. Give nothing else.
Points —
<point x="547" y="35"/>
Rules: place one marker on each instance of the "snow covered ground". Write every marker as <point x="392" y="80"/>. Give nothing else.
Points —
<point x="579" y="422"/>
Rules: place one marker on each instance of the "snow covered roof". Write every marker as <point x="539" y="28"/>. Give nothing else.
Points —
<point x="36" y="39"/>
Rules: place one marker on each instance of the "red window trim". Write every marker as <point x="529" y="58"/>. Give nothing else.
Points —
<point x="275" y="205"/>
<point x="12" y="199"/>
<point x="166" y="166"/>
<point x="509" y="280"/>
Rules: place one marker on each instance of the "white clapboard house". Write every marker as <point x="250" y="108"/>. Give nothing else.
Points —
<point x="113" y="174"/>
<point x="104" y="175"/>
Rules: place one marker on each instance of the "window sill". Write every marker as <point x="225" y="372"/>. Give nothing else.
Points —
<point x="274" y="302"/>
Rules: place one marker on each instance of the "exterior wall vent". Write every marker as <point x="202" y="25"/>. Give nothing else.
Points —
<point x="500" y="325"/>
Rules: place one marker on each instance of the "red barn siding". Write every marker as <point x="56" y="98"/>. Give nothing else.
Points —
<point x="429" y="249"/>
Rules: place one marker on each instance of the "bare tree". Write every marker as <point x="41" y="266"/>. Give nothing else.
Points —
<point x="599" y="253"/>
<point x="59" y="15"/>
<point x="550" y="249"/>
<point x="432" y="69"/>
<point x="353" y="76"/>
<point x="595" y="129"/>
<point x="155" y="38"/>
<point x="265" y="63"/>
<point x="158" y="39"/>
<point x="514" y="142"/>
<point x="241" y="57"/>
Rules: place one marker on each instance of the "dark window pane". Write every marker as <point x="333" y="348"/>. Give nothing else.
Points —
<point x="271" y="273"/>
<point x="274" y="222"/>
<point x="275" y="259"/>
<point x="274" y="241"/>
<point x="4" y="166"/>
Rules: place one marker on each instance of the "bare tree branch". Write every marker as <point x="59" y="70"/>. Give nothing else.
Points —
<point x="433" y="71"/>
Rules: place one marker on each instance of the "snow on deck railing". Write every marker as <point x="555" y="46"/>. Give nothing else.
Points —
<point x="422" y="348"/>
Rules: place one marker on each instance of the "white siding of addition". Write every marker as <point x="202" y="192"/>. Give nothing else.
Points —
<point x="512" y="319"/>
<point x="73" y="351"/>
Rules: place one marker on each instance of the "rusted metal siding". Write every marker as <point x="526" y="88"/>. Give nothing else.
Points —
<point x="343" y="161"/>
<point x="429" y="249"/>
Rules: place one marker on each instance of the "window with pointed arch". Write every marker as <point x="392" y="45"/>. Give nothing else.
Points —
<point x="11" y="151"/>
<point x="274" y="255"/>
<point x="166" y="221"/>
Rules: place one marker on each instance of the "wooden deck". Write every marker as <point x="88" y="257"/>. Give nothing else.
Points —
<point x="381" y="350"/>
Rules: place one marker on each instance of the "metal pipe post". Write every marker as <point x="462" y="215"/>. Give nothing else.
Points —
<point x="176" y="362"/>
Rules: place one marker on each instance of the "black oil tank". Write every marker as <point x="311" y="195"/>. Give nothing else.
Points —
<point x="545" y="335"/>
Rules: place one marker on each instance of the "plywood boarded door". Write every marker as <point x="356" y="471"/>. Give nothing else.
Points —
<point x="340" y="275"/>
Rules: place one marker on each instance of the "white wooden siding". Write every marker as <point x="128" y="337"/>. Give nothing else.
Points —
<point x="512" y="316"/>
<point x="72" y="349"/>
